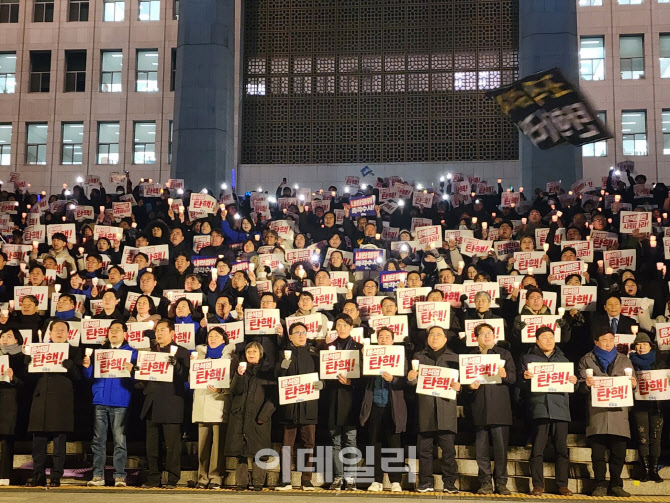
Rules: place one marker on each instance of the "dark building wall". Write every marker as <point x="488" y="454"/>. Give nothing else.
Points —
<point x="204" y="93"/>
<point x="548" y="38"/>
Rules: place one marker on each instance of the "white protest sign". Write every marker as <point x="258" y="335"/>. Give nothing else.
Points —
<point x="612" y="392"/>
<point x="379" y="359"/>
<point x="480" y="368"/>
<point x="551" y="377"/>
<point x="436" y="381"/>
<point x="334" y="362"/>
<point x="213" y="372"/>
<point x="153" y="366"/>
<point x="533" y="323"/>
<point x="297" y="388"/>
<point x="109" y="363"/>
<point x="48" y="357"/>
<point x="652" y="385"/>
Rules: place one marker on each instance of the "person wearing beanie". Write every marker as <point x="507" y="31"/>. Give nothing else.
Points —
<point x="608" y="427"/>
<point x="647" y="414"/>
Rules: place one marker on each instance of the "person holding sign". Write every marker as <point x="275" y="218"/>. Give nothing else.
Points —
<point x="298" y="418"/>
<point x="250" y="422"/>
<point x="343" y="402"/>
<point x="12" y="373"/>
<point x="612" y="320"/>
<point x="608" y="427"/>
<point x="436" y="415"/>
<point x="211" y="408"/>
<point x="52" y="409"/>
<point x="163" y="409"/>
<point x="492" y="414"/>
<point x="550" y="413"/>
<point x="111" y="398"/>
<point x="384" y="412"/>
<point x="647" y="414"/>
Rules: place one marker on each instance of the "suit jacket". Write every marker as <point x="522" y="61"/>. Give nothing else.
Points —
<point x="164" y="401"/>
<point x="601" y="325"/>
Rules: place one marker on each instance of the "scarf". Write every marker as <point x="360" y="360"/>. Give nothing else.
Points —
<point x="643" y="362"/>
<point x="65" y="315"/>
<point x="188" y="319"/>
<point x="221" y="281"/>
<point x="605" y="357"/>
<point x="214" y="353"/>
<point x="11" y="349"/>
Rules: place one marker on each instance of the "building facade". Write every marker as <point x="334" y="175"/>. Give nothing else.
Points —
<point x="86" y="87"/>
<point x="624" y="48"/>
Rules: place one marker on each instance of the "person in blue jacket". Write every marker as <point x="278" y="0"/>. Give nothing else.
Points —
<point x="246" y="231"/>
<point x="111" y="397"/>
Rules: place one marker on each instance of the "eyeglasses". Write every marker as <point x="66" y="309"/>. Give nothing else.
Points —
<point x="301" y="332"/>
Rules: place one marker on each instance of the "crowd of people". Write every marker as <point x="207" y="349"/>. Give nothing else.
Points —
<point x="143" y="287"/>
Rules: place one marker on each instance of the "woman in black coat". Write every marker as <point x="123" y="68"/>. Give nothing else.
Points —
<point x="10" y="346"/>
<point x="52" y="410"/>
<point x="250" y="424"/>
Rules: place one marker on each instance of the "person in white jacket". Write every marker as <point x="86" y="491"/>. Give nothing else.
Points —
<point x="211" y="407"/>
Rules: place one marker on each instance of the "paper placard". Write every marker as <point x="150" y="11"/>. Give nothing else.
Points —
<point x="298" y="388"/>
<point x="482" y="368"/>
<point x="533" y="323"/>
<point x="632" y="220"/>
<point x="561" y="270"/>
<point x="630" y="306"/>
<point x="369" y="306"/>
<point x="429" y="314"/>
<point x="452" y="292"/>
<point x="4" y="365"/>
<point x="471" y="290"/>
<point x="506" y="249"/>
<point x="429" y="237"/>
<point x="551" y="377"/>
<point x="362" y="206"/>
<point x="261" y="321"/>
<point x="603" y="240"/>
<point x="94" y="331"/>
<point x="652" y="385"/>
<point x="67" y="229"/>
<point x="154" y="366"/>
<point x="582" y="298"/>
<point x="407" y="297"/>
<point x="472" y="247"/>
<point x="135" y="337"/>
<point x="612" y="392"/>
<point x="40" y="292"/>
<point x="48" y="357"/>
<point x="366" y="259"/>
<point x="213" y="372"/>
<point x="334" y="362"/>
<point x="619" y="260"/>
<point x="313" y="322"/>
<point x="234" y="330"/>
<point x="397" y="324"/>
<point x="663" y="336"/>
<point x="457" y="236"/>
<point x="108" y="363"/>
<point x="436" y="381"/>
<point x="378" y="359"/>
<point x="498" y="325"/>
<point x="325" y="297"/>
<point x="624" y="343"/>
<point x="584" y="249"/>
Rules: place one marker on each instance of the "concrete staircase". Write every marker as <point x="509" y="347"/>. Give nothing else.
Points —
<point x="79" y="461"/>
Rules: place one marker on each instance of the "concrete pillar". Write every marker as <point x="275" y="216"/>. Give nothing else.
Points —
<point x="548" y="38"/>
<point x="204" y="91"/>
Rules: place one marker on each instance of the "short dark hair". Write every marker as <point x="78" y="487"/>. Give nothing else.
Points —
<point x="344" y="317"/>
<point x="543" y="330"/>
<point x="296" y="324"/>
<point x="165" y="321"/>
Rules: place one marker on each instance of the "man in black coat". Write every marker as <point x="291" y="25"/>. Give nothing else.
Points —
<point x="163" y="409"/>
<point x="612" y="320"/>
<point x="175" y="277"/>
<point x="437" y="416"/>
<point x="343" y="399"/>
<point x="52" y="409"/>
<point x="492" y="414"/>
<point x="299" y="418"/>
<point x="550" y="413"/>
<point x="217" y="248"/>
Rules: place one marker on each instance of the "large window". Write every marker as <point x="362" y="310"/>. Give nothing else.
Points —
<point x="666" y="131"/>
<point x="111" y="69"/>
<point x="9" y="11"/>
<point x="5" y="144"/>
<point x="44" y="11"/>
<point x="630" y="2"/>
<point x="150" y="10"/>
<point x="108" y="143"/>
<point x="352" y="82"/>
<point x="599" y="148"/>
<point x="114" y="10"/>
<point x="665" y="55"/>
<point x="7" y="72"/>
<point x="75" y="71"/>
<point x="144" y="143"/>
<point x="592" y="58"/>
<point x="634" y="131"/>
<point x="173" y="68"/>
<point x="36" y="143"/>
<point x="147" y="71"/>
<point x="72" y="142"/>
<point x="40" y="71"/>
<point x="631" y="56"/>
<point x="171" y="131"/>
<point x="78" y="10"/>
